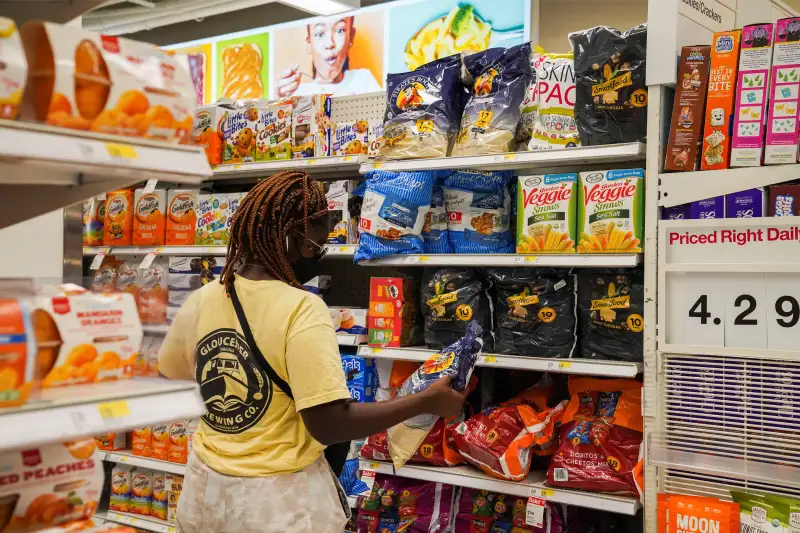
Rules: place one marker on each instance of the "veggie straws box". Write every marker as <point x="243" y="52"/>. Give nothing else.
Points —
<point x="782" y="132"/>
<point x="610" y="211"/>
<point x="546" y="213"/>
<point x="755" y="61"/>
<point x="716" y="153"/>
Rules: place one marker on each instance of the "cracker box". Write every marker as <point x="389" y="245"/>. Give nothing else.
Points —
<point x="274" y="132"/>
<point x="751" y="203"/>
<point x="141" y="491"/>
<point x="17" y="352"/>
<point x="393" y="319"/>
<point x="784" y="200"/>
<point x="120" y="485"/>
<point x="351" y="138"/>
<point x="15" y="68"/>
<point x="158" y="503"/>
<point x="207" y="130"/>
<point x="214" y="214"/>
<point x="683" y="147"/>
<point x="181" y="217"/>
<point x="716" y="151"/>
<point x="118" y="225"/>
<point x="110" y="441"/>
<point x="784" y="95"/>
<point x="375" y="138"/>
<point x="41" y="487"/>
<point x="547" y="207"/>
<point x="177" y="450"/>
<point x="174" y="489"/>
<point x="149" y="220"/>
<point x="160" y="442"/>
<point x="311" y="123"/>
<point x="611" y="211"/>
<point x="239" y="134"/>
<point x="94" y="217"/>
<point x="142" y="441"/>
<point x="755" y="61"/>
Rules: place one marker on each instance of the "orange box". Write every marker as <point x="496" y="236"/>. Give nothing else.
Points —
<point x="149" y="221"/>
<point x="118" y="227"/>
<point x="181" y="217"/>
<point x="111" y="442"/>
<point x="178" y="442"/>
<point x="716" y="151"/>
<point x="142" y="441"/>
<point x="94" y="217"/>
<point x="17" y="354"/>
<point x="160" y="442"/>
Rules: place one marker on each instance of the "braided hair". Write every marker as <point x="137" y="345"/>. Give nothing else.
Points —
<point x="267" y="215"/>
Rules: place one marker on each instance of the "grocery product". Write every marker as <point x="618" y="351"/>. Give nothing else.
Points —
<point x="706" y="208"/>
<point x="120" y="498"/>
<point x="151" y="283"/>
<point x="158" y="503"/>
<point x="479" y="209"/>
<point x="393" y="319"/>
<point x="46" y="486"/>
<point x="152" y="355"/>
<point x="784" y="95"/>
<point x="118" y="225"/>
<point x="350" y="320"/>
<point x="350" y="138"/>
<point x="191" y="429"/>
<point x="547" y="207"/>
<point x="393" y="213"/>
<point x="181" y="216"/>
<point x="187" y="273"/>
<point x="716" y="152"/>
<point x="141" y="491"/>
<point x="492" y="113"/>
<point x="435" y="449"/>
<point x="554" y="121"/>
<point x="174" y="489"/>
<point x="534" y="312"/>
<point x="611" y="94"/>
<point x="435" y="237"/>
<point x="422" y="111"/>
<point x="762" y="513"/>
<point x="160" y="441"/>
<point x="398" y="504"/>
<point x="110" y="441"/>
<point x="274" y="132"/>
<point x="751" y="203"/>
<point x="530" y="105"/>
<point x="362" y="381"/>
<point x="457" y="360"/>
<point x="611" y="311"/>
<point x="207" y="129"/>
<point x="611" y="211"/>
<point x="311" y="123"/>
<point x="177" y="449"/>
<point x="784" y="200"/>
<point x="214" y="212"/>
<point x="337" y="193"/>
<point x="142" y="441"/>
<point x="484" y="511"/>
<point x="374" y="137"/>
<point x="239" y="134"/>
<point x="451" y="299"/>
<point x="676" y="511"/>
<point x="755" y="61"/>
<point x="601" y="437"/>
<point x="12" y="77"/>
<point x="94" y="217"/>
<point x="688" y="109"/>
<point x="17" y="353"/>
<point x="149" y="221"/>
<point x="83" y="80"/>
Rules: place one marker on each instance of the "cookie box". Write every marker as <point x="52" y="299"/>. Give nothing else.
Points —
<point x="701" y="209"/>
<point x="311" y="123"/>
<point x="191" y="273"/>
<point x="350" y="138"/>
<point x="274" y="132"/>
<point x="716" y="151"/>
<point x="239" y="134"/>
<point x="214" y="214"/>
<point x="784" y="200"/>
<point x="751" y="203"/>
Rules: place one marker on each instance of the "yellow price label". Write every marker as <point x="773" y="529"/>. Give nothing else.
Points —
<point x="565" y="365"/>
<point x="547" y="493"/>
<point x="423" y="259"/>
<point x="122" y="151"/>
<point x="116" y="409"/>
<point x="171" y="529"/>
<point x="311" y="161"/>
<point x="510" y="157"/>
<point x="377" y="350"/>
<point x="348" y="158"/>
<point x="374" y="466"/>
<point x="237" y="167"/>
<point x="484" y="117"/>
<point x="377" y="166"/>
<point x="531" y="259"/>
<point x="490" y="359"/>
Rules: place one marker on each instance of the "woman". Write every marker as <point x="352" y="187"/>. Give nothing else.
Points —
<point x="329" y="43"/>
<point x="257" y="462"/>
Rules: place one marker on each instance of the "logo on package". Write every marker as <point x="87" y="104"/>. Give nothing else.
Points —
<point x="409" y="94"/>
<point x="724" y="44"/>
<point x="236" y="391"/>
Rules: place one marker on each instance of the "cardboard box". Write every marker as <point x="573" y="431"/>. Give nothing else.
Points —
<point x="350" y="138"/>
<point x="160" y="441"/>
<point x="191" y="273"/>
<point x="375" y="138"/>
<point x="174" y="489"/>
<point x="181" y="216"/>
<point x="158" y="503"/>
<point x="94" y="217"/>
<point x="716" y="153"/>
<point x="142" y="441"/>
<point x="110" y="441"/>
<point x="118" y="225"/>
<point x="701" y="209"/>
<point x="15" y="68"/>
<point x="239" y="135"/>
<point x="120" y="498"/>
<point x="214" y="215"/>
<point x="393" y="319"/>
<point x="362" y="379"/>
<point x="755" y="61"/>
<point x="751" y="203"/>
<point x="207" y="130"/>
<point x="149" y="221"/>
<point x="311" y="123"/>
<point x="547" y="208"/>
<point x="784" y="95"/>
<point x="274" y="132"/>
<point x="338" y="195"/>
<point x="611" y="211"/>
<point x="141" y="491"/>
<point x="177" y="451"/>
<point x="784" y="200"/>
<point x="683" y="146"/>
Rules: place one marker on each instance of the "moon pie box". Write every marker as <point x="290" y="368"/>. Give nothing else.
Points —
<point x="683" y="148"/>
<point x="149" y="221"/>
<point x="181" y="217"/>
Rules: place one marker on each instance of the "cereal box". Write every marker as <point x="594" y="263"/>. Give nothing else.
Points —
<point x="177" y="449"/>
<point x="149" y="221"/>
<point x="547" y="207"/>
<point x="274" y="132"/>
<point x="375" y="137"/>
<point x="120" y="499"/>
<point x="751" y="203"/>
<point x="716" y="152"/>
<point x="239" y="135"/>
<point x="118" y="226"/>
<point x="214" y="217"/>
<point x="160" y="443"/>
<point x="311" y="123"/>
<point x="350" y="138"/>
<point x="142" y="441"/>
<point x="755" y="61"/>
<point x="611" y="211"/>
<point x="15" y="67"/>
<point x="784" y="94"/>
<point x="141" y="491"/>
<point x="784" y="200"/>
<point x="181" y="216"/>
<point x="94" y="217"/>
<point x="17" y="353"/>
<point x="207" y="130"/>
<point x="158" y="503"/>
<point x="111" y="441"/>
<point x="683" y="148"/>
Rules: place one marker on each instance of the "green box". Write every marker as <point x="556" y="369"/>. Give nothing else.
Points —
<point x="611" y="211"/>
<point x="547" y="207"/>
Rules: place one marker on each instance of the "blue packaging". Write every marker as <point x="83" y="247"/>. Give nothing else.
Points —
<point x="751" y="203"/>
<point x="435" y="237"/>
<point x="701" y="209"/>
<point x="361" y="376"/>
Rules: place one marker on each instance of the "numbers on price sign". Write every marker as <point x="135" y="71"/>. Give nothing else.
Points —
<point x="749" y="304"/>
<point x="790" y="317"/>
<point x="700" y="310"/>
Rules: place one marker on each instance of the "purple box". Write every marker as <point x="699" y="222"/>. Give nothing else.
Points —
<point x="708" y="208"/>
<point x="751" y="203"/>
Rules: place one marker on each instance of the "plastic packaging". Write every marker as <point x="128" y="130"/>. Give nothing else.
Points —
<point x="554" y="125"/>
<point x="481" y="511"/>
<point x="451" y="299"/>
<point x="410" y="506"/>
<point x="435" y="236"/>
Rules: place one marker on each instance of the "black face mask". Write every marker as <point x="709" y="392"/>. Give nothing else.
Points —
<point x="306" y="268"/>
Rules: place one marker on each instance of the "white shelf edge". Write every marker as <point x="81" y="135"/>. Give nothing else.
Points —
<point x="334" y="250"/>
<point x="467" y="476"/>
<point x="126" y="457"/>
<point x="147" y="523"/>
<point x="510" y="260"/>
<point x="155" y="329"/>
<point x="313" y="165"/>
<point x="351" y="340"/>
<point x="753" y="353"/>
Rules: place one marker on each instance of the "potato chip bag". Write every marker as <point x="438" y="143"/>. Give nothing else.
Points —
<point x="554" y="125"/>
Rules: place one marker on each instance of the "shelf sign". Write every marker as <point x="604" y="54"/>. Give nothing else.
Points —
<point x="121" y="151"/>
<point x="148" y="259"/>
<point x="117" y="409"/>
<point x="709" y="14"/>
<point x="98" y="259"/>
<point x="534" y="512"/>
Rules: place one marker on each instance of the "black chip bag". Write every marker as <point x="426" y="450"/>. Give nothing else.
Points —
<point x="611" y="310"/>
<point x="611" y="94"/>
<point x="534" y="312"/>
<point x="451" y="298"/>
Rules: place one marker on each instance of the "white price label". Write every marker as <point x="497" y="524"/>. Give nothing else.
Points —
<point x="98" y="260"/>
<point x="368" y="477"/>
<point x="534" y="512"/>
<point x="745" y="312"/>
<point x="148" y="260"/>
<point x="150" y="186"/>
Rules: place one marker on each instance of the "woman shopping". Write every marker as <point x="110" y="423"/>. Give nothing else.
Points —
<point x="265" y="355"/>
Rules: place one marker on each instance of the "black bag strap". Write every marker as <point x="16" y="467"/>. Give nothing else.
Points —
<point x="259" y="357"/>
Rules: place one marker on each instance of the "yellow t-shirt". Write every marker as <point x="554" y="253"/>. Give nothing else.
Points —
<point x="251" y="428"/>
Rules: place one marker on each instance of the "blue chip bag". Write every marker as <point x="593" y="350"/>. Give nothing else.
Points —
<point x="435" y="237"/>
<point x="393" y="213"/>
<point x="479" y="207"/>
<point x="457" y="360"/>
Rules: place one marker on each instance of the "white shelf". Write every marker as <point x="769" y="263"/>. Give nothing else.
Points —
<point x="320" y="167"/>
<point x="753" y="353"/>
<point x="562" y="366"/>
<point x="351" y="340"/>
<point x="148" y="523"/>
<point x="61" y="12"/>
<point x="568" y="157"/>
<point x="467" y="476"/>
<point x="340" y="251"/>
<point x="337" y="251"/>
<point x="126" y="457"/>
<point x="510" y="260"/>
<point x="67" y="413"/>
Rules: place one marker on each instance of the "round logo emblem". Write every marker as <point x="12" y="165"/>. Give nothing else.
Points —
<point x="547" y="314"/>
<point x="236" y="391"/>
<point x="635" y="323"/>
<point x="464" y="312"/>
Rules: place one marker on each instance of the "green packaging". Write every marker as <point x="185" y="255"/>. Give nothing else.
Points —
<point x="611" y="211"/>
<point x="547" y="207"/>
<point x="762" y="514"/>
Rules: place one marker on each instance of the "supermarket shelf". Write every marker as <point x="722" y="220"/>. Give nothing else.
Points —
<point x="562" y="366"/>
<point x="66" y="413"/>
<point x="61" y="12"/>
<point x="467" y="476"/>
<point x="126" y="457"/>
<point x="140" y="522"/>
<point x="569" y="157"/>
<point x="510" y="260"/>
<point x="351" y="340"/>
<point x="335" y="251"/>
<point x="683" y="187"/>
<point x="319" y="167"/>
<point x="340" y="251"/>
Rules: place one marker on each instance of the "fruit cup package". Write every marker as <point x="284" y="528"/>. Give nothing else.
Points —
<point x="349" y="320"/>
<point x="160" y="441"/>
<point x="716" y="152"/>
<point x="207" y="130"/>
<point x="683" y="147"/>
<point x="177" y="449"/>
<point x="784" y="96"/>
<point x="158" y="502"/>
<point x="94" y="217"/>
<point x="239" y="134"/>
<point x="350" y="138"/>
<point x="784" y="200"/>
<point x="17" y="352"/>
<point x="191" y="273"/>
<point x="83" y="80"/>
<point x="611" y="211"/>
<point x="149" y="224"/>
<point x="214" y="217"/>
<point x="151" y="285"/>
<point x="751" y="203"/>
<point x="547" y="208"/>
<point x="120" y="485"/>
<point x="118" y="226"/>
<point x="311" y="123"/>
<point x="701" y="209"/>
<point x="337" y="193"/>
<point x="273" y="132"/>
<point x="451" y="299"/>
<point x="553" y="123"/>
<point x="141" y="491"/>
<point x="181" y="216"/>
<point x="393" y="319"/>
<point x="15" y="68"/>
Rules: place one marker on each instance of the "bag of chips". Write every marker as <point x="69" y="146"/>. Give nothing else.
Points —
<point x="422" y="110"/>
<point x="451" y="299"/>
<point x="393" y="213"/>
<point x="397" y="504"/>
<point x="479" y="207"/>
<point x="534" y="312"/>
<point x="435" y="237"/>
<point x="434" y="450"/>
<point x="611" y="314"/>
<point x="554" y="125"/>
<point x="457" y="360"/>
<point x="481" y="511"/>
<point x="529" y="106"/>
<point x="611" y="90"/>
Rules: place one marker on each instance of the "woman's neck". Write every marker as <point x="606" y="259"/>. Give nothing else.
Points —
<point x="254" y="272"/>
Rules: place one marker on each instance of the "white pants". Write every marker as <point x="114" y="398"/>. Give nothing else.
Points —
<point x="303" y="502"/>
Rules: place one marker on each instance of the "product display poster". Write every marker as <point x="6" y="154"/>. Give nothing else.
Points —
<point x="338" y="55"/>
<point x="200" y="59"/>
<point x="242" y="67"/>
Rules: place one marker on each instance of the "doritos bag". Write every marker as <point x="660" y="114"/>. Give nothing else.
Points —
<point x="434" y="450"/>
<point x="481" y="511"/>
<point x="451" y="299"/>
<point x="601" y="437"/>
<point x="396" y="504"/>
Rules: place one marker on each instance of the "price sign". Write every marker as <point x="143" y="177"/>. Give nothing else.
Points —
<point x="534" y="512"/>
<point x="98" y="259"/>
<point x="121" y="151"/>
<point x="110" y="410"/>
<point x="150" y="186"/>
<point x="368" y="477"/>
<point x="148" y="259"/>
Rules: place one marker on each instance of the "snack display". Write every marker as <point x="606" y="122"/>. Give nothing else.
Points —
<point x="397" y="504"/>
<point x="181" y="216"/>
<point x="120" y="498"/>
<point x="393" y="319"/>
<point x="751" y="203"/>
<point x="94" y="218"/>
<point x="207" y="130"/>
<point x="158" y="502"/>
<point x="141" y="491"/>
<point x="118" y="225"/>
<point x="15" y="68"/>
<point x="484" y="511"/>
<point x="435" y="449"/>
<point x="214" y="212"/>
<point x="784" y="96"/>
<point x="238" y="128"/>
<point x="724" y="515"/>
<point x="716" y="152"/>
<point x="547" y="207"/>
<point x="611" y="211"/>
<point x="149" y="221"/>
<point x="554" y="120"/>
<point x="349" y="138"/>
<point x="273" y="134"/>
<point x="707" y="208"/>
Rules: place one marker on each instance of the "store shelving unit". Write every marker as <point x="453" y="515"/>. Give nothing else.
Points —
<point x="510" y="260"/>
<point x="320" y="167"/>
<point x="338" y="251"/>
<point x="147" y="523"/>
<point x="126" y="457"/>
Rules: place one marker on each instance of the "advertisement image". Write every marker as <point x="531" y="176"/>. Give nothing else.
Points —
<point x="242" y="66"/>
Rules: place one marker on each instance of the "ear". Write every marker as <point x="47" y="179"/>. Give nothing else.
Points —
<point x="352" y="35"/>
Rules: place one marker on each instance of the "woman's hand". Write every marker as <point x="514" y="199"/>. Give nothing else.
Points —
<point x="442" y="400"/>
<point x="289" y="81"/>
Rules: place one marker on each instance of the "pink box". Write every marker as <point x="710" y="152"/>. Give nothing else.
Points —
<point x="784" y="94"/>
<point x="755" y="61"/>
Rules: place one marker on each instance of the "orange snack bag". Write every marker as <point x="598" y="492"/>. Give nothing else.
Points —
<point x="160" y="442"/>
<point x="118" y="227"/>
<point x="111" y="442"/>
<point x="716" y="151"/>
<point x="17" y="349"/>
<point x="149" y="222"/>
<point x="142" y="441"/>
<point x="178" y="442"/>
<point x="181" y="217"/>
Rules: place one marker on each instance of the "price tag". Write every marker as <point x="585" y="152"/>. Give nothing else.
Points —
<point x="311" y="161"/>
<point x="423" y="259"/>
<point x="783" y="311"/>
<point x="118" y="409"/>
<point x="510" y="157"/>
<point x="489" y="359"/>
<point x="376" y="351"/>
<point x="121" y="151"/>
<point x="531" y="259"/>
<point x="534" y="512"/>
<point x="368" y="477"/>
<point x="98" y="259"/>
<point x="349" y="158"/>
<point x="237" y="167"/>
<point x="377" y="166"/>
<point x="703" y="310"/>
<point x="745" y="311"/>
<point x="148" y="259"/>
<point x="150" y="186"/>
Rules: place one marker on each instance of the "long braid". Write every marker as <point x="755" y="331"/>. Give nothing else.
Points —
<point x="268" y="214"/>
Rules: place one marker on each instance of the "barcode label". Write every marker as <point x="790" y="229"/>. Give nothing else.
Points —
<point x="747" y="528"/>
<point x="560" y="474"/>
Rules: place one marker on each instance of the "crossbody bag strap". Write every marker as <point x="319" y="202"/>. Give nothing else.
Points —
<point x="259" y="357"/>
